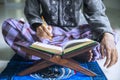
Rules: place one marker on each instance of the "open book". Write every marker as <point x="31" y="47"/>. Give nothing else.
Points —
<point x="70" y="46"/>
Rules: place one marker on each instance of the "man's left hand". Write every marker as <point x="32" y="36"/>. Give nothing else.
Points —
<point x="108" y="46"/>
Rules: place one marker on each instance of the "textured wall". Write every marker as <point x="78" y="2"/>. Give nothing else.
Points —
<point x="115" y="4"/>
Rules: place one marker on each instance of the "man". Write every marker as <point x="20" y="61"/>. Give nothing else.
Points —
<point x="71" y="14"/>
<point x="66" y="14"/>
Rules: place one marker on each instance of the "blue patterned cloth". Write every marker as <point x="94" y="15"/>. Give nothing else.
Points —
<point x="54" y="72"/>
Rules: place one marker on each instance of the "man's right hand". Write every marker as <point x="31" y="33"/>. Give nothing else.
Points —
<point x="44" y="32"/>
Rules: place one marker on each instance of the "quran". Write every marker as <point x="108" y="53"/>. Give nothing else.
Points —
<point x="70" y="46"/>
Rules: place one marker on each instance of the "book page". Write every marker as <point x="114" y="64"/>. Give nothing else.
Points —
<point x="77" y="46"/>
<point x="74" y="42"/>
<point x="47" y="47"/>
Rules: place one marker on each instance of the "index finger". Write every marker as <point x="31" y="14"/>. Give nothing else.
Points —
<point x="114" y="58"/>
<point x="108" y="57"/>
<point x="102" y="51"/>
<point x="46" y="29"/>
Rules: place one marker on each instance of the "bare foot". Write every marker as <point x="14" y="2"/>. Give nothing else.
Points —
<point x="85" y="57"/>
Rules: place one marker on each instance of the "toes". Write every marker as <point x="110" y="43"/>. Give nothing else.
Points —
<point x="85" y="57"/>
<point x="90" y="56"/>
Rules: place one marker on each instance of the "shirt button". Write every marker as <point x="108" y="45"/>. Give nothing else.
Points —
<point x="72" y="24"/>
<point x="68" y="2"/>
<point x="71" y="10"/>
<point x="53" y="2"/>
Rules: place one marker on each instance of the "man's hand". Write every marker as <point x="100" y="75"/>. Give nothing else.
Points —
<point x="108" y="46"/>
<point x="44" y="32"/>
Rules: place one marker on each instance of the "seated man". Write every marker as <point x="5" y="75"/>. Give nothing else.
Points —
<point x="66" y="21"/>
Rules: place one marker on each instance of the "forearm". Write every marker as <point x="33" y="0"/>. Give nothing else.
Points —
<point x="94" y="12"/>
<point x="32" y="13"/>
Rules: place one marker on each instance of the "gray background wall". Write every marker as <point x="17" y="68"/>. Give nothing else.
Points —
<point x="112" y="3"/>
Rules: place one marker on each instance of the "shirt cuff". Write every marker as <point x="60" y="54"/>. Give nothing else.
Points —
<point x="35" y="25"/>
<point x="100" y="37"/>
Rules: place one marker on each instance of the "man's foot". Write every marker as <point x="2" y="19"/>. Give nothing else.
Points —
<point x="85" y="57"/>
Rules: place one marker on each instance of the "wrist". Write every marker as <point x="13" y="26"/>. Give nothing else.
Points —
<point x="109" y="36"/>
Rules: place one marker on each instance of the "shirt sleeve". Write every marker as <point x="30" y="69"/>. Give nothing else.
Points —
<point x="32" y="12"/>
<point x="94" y="12"/>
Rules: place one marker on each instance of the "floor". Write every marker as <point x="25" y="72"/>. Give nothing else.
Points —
<point x="17" y="12"/>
